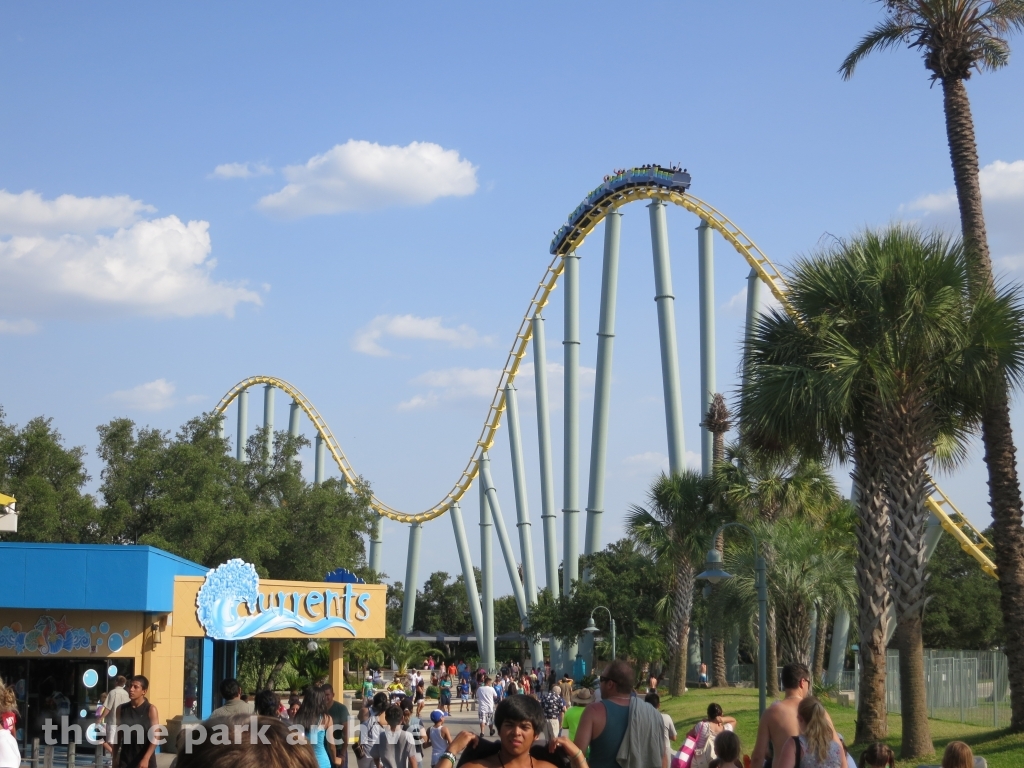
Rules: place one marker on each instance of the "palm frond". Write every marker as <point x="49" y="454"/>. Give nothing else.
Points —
<point x="886" y="35"/>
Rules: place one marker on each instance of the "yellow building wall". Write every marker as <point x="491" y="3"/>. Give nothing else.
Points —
<point x="160" y="656"/>
<point x="163" y="662"/>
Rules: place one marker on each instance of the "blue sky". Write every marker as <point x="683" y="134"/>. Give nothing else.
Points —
<point x="359" y="199"/>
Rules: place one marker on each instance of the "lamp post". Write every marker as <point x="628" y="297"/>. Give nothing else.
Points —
<point x="592" y="628"/>
<point x="715" y="573"/>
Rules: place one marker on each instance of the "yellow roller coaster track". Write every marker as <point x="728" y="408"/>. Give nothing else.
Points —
<point x="969" y="538"/>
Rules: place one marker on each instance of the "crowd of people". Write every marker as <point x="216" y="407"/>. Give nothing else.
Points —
<point x="536" y="718"/>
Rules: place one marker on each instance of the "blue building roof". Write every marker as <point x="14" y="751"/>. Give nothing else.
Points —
<point x="90" y="577"/>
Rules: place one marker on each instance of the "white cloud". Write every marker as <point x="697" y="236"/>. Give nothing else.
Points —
<point x="241" y="170"/>
<point x="457" y="384"/>
<point x="27" y="213"/>
<point x="152" y="396"/>
<point x="367" y="339"/>
<point x="736" y="306"/>
<point x="1002" y="191"/>
<point x="651" y="463"/>
<point x="453" y="384"/>
<point x="18" y="327"/>
<point x="646" y="463"/>
<point x="145" y="266"/>
<point x="360" y="176"/>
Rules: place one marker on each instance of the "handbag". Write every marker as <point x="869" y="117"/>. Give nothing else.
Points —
<point x="688" y="755"/>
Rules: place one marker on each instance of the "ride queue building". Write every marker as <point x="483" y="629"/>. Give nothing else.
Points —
<point x="75" y="616"/>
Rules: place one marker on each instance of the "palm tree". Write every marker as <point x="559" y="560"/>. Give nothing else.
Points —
<point x="957" y="37"/>
<point x="404" y="652"/>
<point x="768" y="485"/>
<point x="890" y="353"/>
<point x="676" y="527"/>
<point x="365" y="652"/>
<point x="808" y="567"/>
<point x="717" y="421"/>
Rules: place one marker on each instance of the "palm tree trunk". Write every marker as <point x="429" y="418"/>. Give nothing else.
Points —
<point x="997" y="435"/>
<point x="772" y="662"/>
<point x="907" y="487"/>
<point x="794" y="631"/>
<point x="818" y="662"/>
<point x="718" y="670"/>
<point x="874" y="597"/>
<point x="682" y="607"/>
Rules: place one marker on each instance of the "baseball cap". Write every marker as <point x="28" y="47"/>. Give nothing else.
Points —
<point x="437" y="716"/>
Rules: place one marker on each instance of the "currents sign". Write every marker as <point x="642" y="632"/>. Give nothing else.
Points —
<point x="232" y="603"/>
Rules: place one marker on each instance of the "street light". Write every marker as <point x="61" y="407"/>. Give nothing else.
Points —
<point x="715" y="573"/>
<point x="592" y="627"/>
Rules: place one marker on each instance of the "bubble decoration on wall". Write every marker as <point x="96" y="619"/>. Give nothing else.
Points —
<point x="89" y="679"/>
<point x="111" y="670"/>
<point x="104" y="627"/>
<point x="115" y="643"/>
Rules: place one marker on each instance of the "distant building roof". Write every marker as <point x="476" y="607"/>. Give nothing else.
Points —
<point x="108" y="577"/>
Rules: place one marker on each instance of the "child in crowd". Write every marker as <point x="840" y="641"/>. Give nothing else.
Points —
<point x="878" y="755"/>
<point x="957" y="755"/>
<point x="727" y="747"/>
<point x="464" y="700"/>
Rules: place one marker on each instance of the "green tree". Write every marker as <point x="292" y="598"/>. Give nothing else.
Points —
<point x="443" y="606"/>
<point x="47" y="480"/>
<point x="890" y="353"/>
<point x="365" y="653"/>
<point x="957" y="38"/>
<point x="623" y="579"/>
<point x="963" y="602"/>
<point x="769" y="485"/>
<point x="676" y="527"/>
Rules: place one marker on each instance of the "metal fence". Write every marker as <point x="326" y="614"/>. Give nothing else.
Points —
<point x="964" y="686"/>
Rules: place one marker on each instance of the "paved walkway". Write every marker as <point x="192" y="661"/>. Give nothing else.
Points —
<point x="457" y="723"/>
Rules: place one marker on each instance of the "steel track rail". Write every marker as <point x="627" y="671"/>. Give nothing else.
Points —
<point x="952" y="520"/>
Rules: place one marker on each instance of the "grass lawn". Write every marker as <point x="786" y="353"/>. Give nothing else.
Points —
<point x="1000" y="749"/>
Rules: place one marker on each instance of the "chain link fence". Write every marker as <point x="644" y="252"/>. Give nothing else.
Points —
<point x="963" y="686"/>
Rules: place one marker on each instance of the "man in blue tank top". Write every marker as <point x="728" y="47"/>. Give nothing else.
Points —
<point x="604" y="723"/>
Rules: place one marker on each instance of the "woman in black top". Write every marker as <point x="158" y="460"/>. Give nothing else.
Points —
<point x="133" y="749"/>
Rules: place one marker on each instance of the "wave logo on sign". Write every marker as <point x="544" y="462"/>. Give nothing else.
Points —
<point x="235" y="583"/>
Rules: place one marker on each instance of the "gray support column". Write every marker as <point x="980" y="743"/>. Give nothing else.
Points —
<point x="268" y="417"/>
<point x="571" y="438"/>
<point x="466" y="559"/>
<point x="755" y="289"/>
<point x="412" y="566"/>
<point x="377" y="545"/>
<point x="840" y="638"/>
<point x="294" y="412"/>
<point x="515" y="441"/>
<point x="667" y="335"/>
<point x="504" y="541"/>
<point x="547" y="486"/>
<point x="242" y="435"/>
<point x="693" y="667"/>
<point x="732" y="656"/>
<point x="318" y="462"/>
<point x="603" y="383"/>
<point x="486" y="580"/>
<point x="221" y="432"/>
<point x="706" y="261"/>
